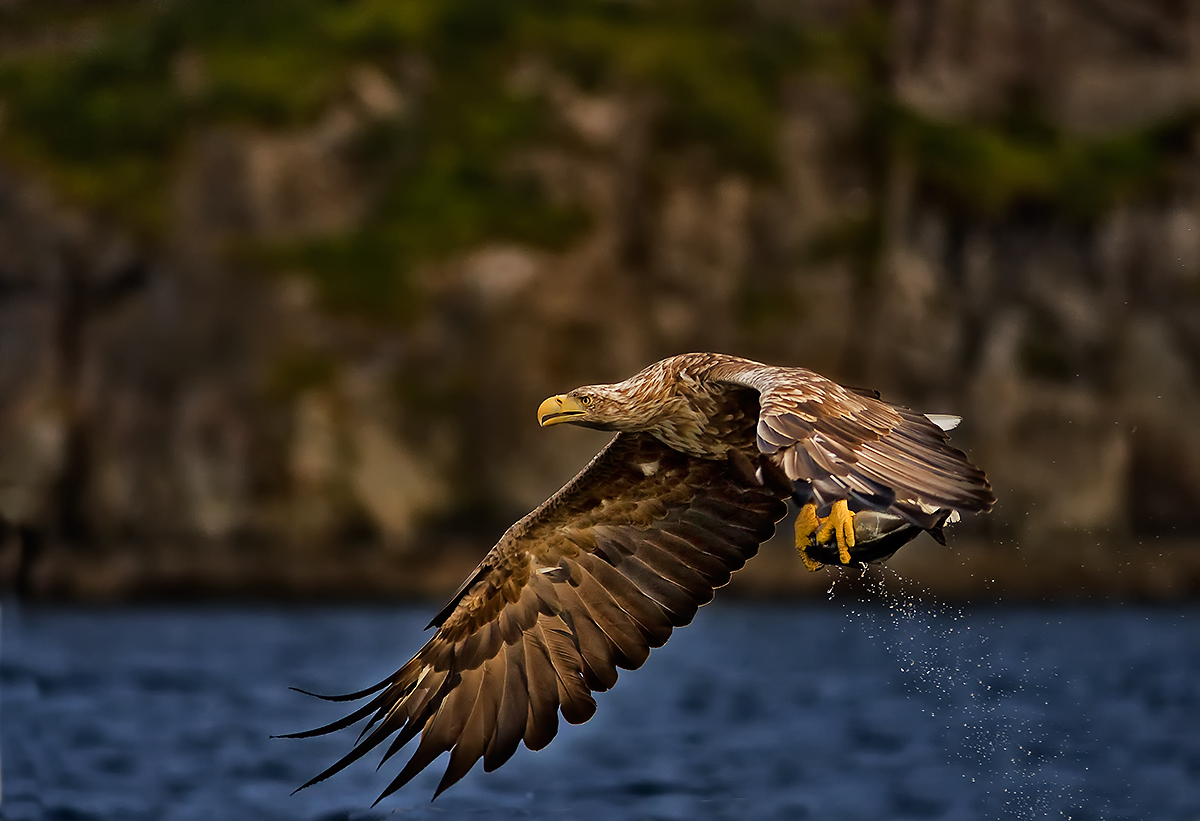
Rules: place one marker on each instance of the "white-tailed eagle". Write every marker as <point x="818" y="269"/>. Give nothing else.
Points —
<point x="708" y="451"/>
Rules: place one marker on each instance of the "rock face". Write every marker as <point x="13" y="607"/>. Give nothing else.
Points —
<point x="162" y="400"/>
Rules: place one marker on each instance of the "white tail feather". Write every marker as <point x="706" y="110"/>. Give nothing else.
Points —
<point x="945" y="421"/>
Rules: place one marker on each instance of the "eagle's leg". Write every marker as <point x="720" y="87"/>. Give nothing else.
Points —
<point x="839" y="524"/>
<point x="807" y="524"/>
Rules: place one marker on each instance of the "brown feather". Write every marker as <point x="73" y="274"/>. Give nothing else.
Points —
<point x="542" y="723"/>
<point x="666" y="565"/>
<point x="630" y="649"/>
<point x="576" y="699"/>
<point x="479" y="726"/>
<point x="612" y="586"/>
<point x="714" y="571"/>
<point x="599" y="653"/>
<point x="732" y="555"/>
<point x="512" y="712"/>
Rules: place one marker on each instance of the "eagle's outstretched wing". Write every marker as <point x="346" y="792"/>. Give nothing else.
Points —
<point x="587" y="583"/>
<point x="842" y="443"/>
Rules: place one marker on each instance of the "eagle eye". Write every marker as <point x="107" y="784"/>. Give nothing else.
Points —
<point x="585" y="400"/>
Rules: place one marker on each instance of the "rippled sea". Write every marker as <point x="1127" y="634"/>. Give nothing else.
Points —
<point x="829" y="710"/>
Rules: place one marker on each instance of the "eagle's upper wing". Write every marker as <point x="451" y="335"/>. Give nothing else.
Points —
<point x="842" y="443"/>
<point x="587" y="583"/>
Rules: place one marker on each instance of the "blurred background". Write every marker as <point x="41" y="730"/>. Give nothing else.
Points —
<point x="282" y="282"/>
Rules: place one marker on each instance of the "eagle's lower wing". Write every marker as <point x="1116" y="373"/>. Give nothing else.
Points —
<point x="839" y="443"/>
<point x="587" y="583"/>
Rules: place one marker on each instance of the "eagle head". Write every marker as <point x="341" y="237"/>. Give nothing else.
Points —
<point x="646" y="401"/>
<point x="602" y="407"/>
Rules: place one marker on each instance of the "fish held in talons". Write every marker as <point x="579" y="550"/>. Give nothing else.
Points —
<point x="877" y="536"/>
<point x="835" y="531"/>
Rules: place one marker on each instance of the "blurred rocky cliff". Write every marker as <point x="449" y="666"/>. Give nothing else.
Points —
<point x="281" y="284"/>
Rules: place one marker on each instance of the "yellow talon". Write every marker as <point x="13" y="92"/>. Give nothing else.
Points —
<point x="809" y="562"/>
<point x="807" y="524"/>
<point x="839" y="524"/>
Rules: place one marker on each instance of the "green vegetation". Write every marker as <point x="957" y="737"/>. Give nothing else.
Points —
<point x="989" y="170"/>
<point x="106" y="113"/>
<point x="299" y="370"/>
<point x="108" y="118"/>
<point x="984" y="170"/>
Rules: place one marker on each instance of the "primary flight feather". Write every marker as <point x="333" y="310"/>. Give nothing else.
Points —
<point x="708" y="451"/>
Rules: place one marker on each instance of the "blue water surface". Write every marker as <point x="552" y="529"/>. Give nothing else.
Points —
<point x="830" y="710"/>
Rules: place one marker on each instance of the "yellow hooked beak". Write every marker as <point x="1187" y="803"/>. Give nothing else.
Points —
<point x="561" y="408"/>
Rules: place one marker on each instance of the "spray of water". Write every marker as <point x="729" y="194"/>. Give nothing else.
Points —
<point x="993" y="715"/>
